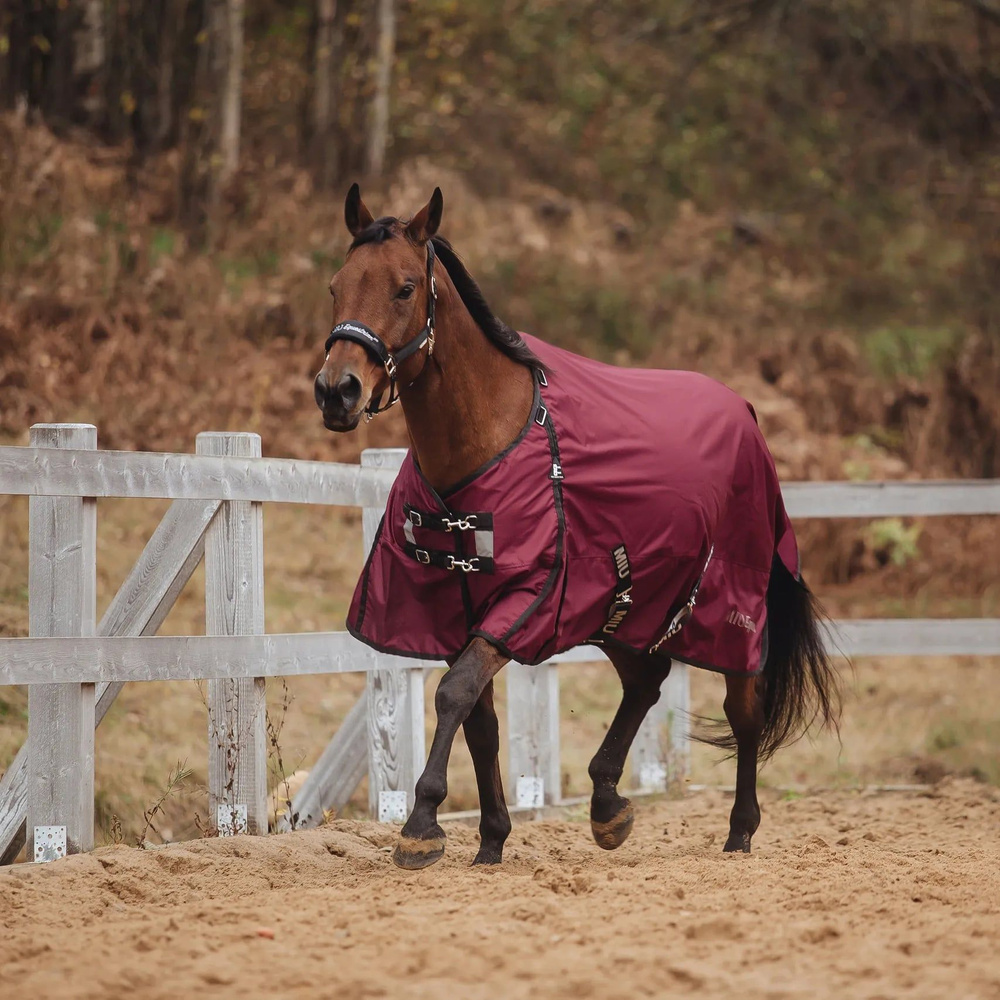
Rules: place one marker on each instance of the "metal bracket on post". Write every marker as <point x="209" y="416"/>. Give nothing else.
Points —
<point x="50" y="843"/>
<point x="231" y="820"/>
<point x="392" y="807"/>
<point x="530" y="793"/>
<point x="652" y="776"/>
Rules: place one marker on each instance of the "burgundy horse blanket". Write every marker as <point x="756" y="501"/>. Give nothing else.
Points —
<point x="646" y="517"/>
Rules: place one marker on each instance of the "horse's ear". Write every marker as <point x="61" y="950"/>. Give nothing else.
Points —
<point x="425" y="223"/>
<point x="356" y="213"/>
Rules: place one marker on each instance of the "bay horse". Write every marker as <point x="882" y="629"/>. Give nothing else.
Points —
<point x="546" y="501"/>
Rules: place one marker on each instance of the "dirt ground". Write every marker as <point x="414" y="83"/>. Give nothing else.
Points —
<point x="848" y="894"/>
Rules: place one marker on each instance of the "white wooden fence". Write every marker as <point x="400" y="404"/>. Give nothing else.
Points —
<point x="75" y="666"/>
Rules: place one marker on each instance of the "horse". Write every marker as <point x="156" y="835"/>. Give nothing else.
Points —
<point x="548" y="500"/>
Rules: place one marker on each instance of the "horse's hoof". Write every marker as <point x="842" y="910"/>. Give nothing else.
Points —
<point x="737" y="843"/>
<point x="615" y="831"/>
<point x="413" y="854"/>
<point x="489" y="856"/>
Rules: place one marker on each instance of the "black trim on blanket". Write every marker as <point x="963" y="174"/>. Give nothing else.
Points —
<point x="510" y="654"/>
<point x="363" y="605"/>
<point x="380" y="648"/>
<point x="506" y="650"/>
<point x="615" y="643"/>
<point x="557" y="495"/>
<point x="486" y="466"/>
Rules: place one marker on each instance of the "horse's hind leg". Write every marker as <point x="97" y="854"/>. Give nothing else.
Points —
<point x="746" y="715"/>
<point x="611" y="815"/>
<point x="482" y="735"/>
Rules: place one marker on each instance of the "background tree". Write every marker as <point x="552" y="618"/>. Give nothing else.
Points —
<point x="327" y="44"/>
<point x="385" y="49"/>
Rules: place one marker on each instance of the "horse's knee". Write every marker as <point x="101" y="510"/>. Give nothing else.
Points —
<point x="455" y="697"/>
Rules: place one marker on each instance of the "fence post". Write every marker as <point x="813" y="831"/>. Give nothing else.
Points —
<point x="395" y="700"/>
<point x="62" y="595"/>
<point x="533" y="728"/>
<point x="234" y="605"/>
<point x="661" y="753"/>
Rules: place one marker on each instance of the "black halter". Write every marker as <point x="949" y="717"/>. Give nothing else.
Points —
<point x="359" y="333"/>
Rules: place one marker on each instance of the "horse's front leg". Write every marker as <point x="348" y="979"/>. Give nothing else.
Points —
<point x="422" y="840"/>
<point x="611" y="814"/>
<point x="482" y="735"/>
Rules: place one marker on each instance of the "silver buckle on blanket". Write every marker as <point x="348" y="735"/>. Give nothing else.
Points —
<point x="467" y="523"/>
<point x="422" y="556"/>
<point x="465" y="565"/>
<point x="677" y="622"/>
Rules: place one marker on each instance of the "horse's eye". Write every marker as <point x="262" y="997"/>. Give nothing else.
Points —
<point x="406" y="291"/>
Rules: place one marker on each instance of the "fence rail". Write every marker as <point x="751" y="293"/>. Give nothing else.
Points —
<point x="75" y="671"/>
<point x="166" y="476"/>
<point x="173" y="476"/>
<point x="121" y="659"/>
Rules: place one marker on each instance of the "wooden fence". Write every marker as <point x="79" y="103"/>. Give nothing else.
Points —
<point x="75" y="665"/>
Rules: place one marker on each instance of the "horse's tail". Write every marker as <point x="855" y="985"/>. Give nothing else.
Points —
<point x="798" y="684"/>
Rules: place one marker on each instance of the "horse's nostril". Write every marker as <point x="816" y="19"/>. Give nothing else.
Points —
<point x="349" y="390"/>
<point x="320" y="390"/>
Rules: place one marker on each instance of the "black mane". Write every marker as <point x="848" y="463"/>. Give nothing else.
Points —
<point x="504" y="337"/>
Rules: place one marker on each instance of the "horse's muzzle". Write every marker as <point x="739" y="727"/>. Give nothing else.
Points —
<point x="340" y="403"/>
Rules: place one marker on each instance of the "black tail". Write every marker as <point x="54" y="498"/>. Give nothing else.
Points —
<point x="798" y="684"/>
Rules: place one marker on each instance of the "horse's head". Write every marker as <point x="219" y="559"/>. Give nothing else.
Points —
<point x="383" y="312"/>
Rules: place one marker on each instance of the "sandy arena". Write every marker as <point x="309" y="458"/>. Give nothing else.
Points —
<point x="847" y="895"/>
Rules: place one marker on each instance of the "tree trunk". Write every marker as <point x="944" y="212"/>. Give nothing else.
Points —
<point x="211" y="129"/>
<point x="88" y="58"/>
<point x="323" y="144"/>
<point x="232" y="90"/>
<point x="378" y="130"/>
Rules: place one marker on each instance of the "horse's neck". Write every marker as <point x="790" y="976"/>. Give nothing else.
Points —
<point x="469" y="402"/>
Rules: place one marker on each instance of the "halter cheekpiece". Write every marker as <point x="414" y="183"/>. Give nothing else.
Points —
<point x="357" y="332"/>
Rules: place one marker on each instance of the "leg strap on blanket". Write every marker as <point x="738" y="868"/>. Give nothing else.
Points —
<point x="677" y="622"/>
<point x="454" y="521"/>
<point x="449" y="560"/>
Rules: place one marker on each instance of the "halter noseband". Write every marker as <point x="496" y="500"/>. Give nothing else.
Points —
<point x="360" y="334"/>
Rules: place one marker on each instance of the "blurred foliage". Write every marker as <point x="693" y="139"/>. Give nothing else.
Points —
<point x="894" y="541"/>
<point x="908" y="351"/>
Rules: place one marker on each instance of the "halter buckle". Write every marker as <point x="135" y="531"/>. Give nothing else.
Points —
<point x="391" y="367"/>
